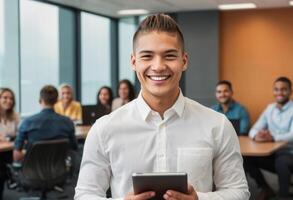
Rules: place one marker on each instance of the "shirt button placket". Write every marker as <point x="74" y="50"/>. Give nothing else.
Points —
<point x="161" y="155"/>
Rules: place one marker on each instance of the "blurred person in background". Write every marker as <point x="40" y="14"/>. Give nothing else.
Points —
<point x="9" y="120"/>
<point x="105" y="98"/>
<point x="126" y="94"/>
<point x="66" y="105"/>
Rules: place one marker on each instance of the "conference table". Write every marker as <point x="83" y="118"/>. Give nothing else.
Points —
<point x="250" y="147"/>
<point x="80" y="133"/>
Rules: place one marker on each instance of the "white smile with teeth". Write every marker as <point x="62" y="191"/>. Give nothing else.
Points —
<point x="159" y="78"/>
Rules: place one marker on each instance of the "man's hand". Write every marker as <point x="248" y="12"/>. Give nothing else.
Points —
<point x="142" y="196"/>
<point x="18" y="155"/>
<point x="264" y="136"/>
<point x="173" y="195"/>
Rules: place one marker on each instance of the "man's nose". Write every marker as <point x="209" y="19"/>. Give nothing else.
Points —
<point x="158" y="64"/>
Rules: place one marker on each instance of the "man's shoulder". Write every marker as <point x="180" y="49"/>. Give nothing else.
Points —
<point x="240" y="106"/>
<point x="33" y="118"/>
<point x="62" y="118"/>
<point x="198" y="109"/>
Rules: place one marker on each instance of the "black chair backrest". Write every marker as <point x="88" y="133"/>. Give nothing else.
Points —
<point x="45" y="160"/>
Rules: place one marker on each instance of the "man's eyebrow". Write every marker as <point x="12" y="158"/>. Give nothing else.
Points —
<point x="145" y="51"/>
<point x="172" y="51"/>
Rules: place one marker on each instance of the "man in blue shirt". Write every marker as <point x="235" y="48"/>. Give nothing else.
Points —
<point x="46" y="125"/>
<point x="275" y="124"/>
<point x="228" y="106"/>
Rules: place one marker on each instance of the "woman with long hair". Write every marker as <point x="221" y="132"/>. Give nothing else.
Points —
<point x="125" y="94"/>
<point x="105" y="98"/>
<point x="8" y="127"/>
<point x="8" y="117"/>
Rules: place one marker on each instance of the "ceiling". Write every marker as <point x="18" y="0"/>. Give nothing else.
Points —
<point x="110" y="7"/>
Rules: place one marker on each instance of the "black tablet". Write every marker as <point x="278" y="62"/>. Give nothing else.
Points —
<point x="159" y="183"/>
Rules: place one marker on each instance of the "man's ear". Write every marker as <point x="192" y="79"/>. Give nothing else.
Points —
<point x="185" y="61"/>
<point x="133" y="62"/>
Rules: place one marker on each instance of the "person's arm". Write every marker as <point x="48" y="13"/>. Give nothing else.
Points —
<point x="244" y="122"/>
<point x="19" y="141"/>
<point x="261" y="123"/>
<point x="71" y="135"/>
<point x="95" y="170"/>
<point x="229" y="176"/>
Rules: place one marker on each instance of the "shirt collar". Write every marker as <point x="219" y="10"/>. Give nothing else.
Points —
<point x="230" y="106"/>
<point x="145" y="109"/>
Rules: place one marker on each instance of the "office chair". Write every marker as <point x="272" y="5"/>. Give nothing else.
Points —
<point x="44" y="166"/>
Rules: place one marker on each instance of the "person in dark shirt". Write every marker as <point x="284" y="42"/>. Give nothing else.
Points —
<point x="46" y="125"/>
<point x="231" y="108"/>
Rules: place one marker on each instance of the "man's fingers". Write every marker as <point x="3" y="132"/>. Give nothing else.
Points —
<point x="176" y="195"/>
<point x="143" y="196"/>
<point x="190" y="189"/>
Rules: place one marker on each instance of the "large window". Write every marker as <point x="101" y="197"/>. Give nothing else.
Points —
<point x="39" y="51"/>
<point x="127" y="27"/>
<point x="9" y="56"/>
<point x="95" y="56"/>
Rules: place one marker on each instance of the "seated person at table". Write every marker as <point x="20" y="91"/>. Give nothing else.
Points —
<point x="8" y="118"/>
<point x="125" y="93"/>
<point x="8" y="125"/>
<point x="46" y="125"/>
<point x="274" y="124"/>
<point x="228" y="106"/>
<point x="105" y="98"/>
<point x="66" y="105"/>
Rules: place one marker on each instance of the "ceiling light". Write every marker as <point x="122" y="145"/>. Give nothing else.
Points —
<point x="237" y="6"/>
<point x="133" y="12"/>
<point x="291" y="3"/>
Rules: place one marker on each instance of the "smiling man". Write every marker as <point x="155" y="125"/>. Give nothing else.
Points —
<point x="162" y="131"/>
<point x="231" y="108"/>
<point x="275" y="124"/>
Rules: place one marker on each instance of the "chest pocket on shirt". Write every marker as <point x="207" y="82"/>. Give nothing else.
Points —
<point x="197" y="162"/>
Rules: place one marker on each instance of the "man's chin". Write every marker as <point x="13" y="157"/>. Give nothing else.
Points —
<point x="282" y="101"/>
<point x="224" y="102"/>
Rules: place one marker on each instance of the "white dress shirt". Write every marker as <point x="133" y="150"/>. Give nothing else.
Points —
<point x="191" y="138"/>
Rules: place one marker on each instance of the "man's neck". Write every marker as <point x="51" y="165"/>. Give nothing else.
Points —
<point x="44" y="106"/>
<point x="161" y="104"/>
<point x="225" y="106"/>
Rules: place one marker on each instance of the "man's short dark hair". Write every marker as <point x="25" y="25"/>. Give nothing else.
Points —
<point x="284" y="80"/>
<point x="225" y="82"/>
<point x="160" y="23"/>
<point x="49" y="95"/>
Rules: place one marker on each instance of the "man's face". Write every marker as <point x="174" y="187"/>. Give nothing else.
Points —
<point x="223" y="94"/>
<point x="281" y="92"/>
<point x="159" y="61"/>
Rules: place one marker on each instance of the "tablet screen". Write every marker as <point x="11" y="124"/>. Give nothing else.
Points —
<point x="159" y="183"/>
